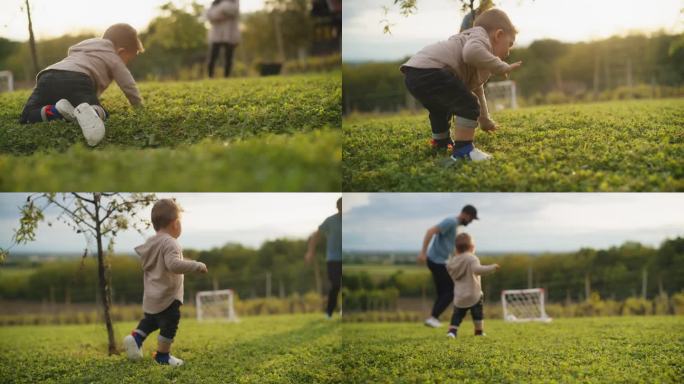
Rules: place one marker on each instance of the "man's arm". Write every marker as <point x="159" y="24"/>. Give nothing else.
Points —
<point x="311" y="249"/>
<point x="422" y="256"/>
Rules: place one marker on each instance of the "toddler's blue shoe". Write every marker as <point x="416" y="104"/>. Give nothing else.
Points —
<point x="470" y="153"/>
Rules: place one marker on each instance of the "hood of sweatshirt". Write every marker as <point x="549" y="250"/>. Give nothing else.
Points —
<point x="150" y="251"/>
<point x="457" y="265"/>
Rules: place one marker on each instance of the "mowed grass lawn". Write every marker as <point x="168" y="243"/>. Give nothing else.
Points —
<point x="582" y="350"/>
<point x="268" y="349"/>
<point x="611" y="146"/>
<point x="277" y="133"/>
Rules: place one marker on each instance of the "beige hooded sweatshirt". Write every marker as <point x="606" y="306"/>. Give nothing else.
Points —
<point x="98" y="59"/>
<point x="225" y="22"/>
<point x="163" y="267"/>
<point x="465" y="271"/>
<point x="469" y="56"/>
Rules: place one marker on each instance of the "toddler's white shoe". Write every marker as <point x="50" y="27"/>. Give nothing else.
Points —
<point x="65" y="109"/>
<point x="474" y="155"/>
<point x="91" y="125"/>
<point x="132" y="350"/>
<point x="175" y="362"/>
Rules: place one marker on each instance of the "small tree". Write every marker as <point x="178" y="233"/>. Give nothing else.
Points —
<point x="98" y="216"/>
<point x="32" y="40"/>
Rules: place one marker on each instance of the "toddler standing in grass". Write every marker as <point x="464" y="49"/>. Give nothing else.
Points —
<point x="448" y="77"/>
<point x="163" y="268"/>
<point x="80" y="79"/>
<point x="465" y="269"/>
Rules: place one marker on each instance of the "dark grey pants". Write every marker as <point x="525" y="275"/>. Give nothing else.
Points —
<point x="335" y="277"/>
<point x="444" y="287"/>
<point x="213" y="56"/>
<point x="443" y="95"/>
<point x="475" y="311"/>
<point x="165" y="321"/>
<point x="54" y="85"/>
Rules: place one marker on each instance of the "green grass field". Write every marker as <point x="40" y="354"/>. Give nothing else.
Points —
<point x="277" y="133"/>
<point x="376" y="271"/>
<point x="611" y="146"/>
<point x="586" y="350"/>
<point x="269" y="349"/>
<point x="308" y="349"/>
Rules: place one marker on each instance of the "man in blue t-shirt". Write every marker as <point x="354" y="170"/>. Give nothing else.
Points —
<point x="332" y="229"/>
<point x="443" y="245"/>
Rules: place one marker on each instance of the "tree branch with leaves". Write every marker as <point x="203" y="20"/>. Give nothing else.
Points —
<point x="98" y="216"/>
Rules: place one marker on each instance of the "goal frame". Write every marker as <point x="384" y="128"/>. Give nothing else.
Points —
<point x="10" y="80"/>
<point x="510" y="317"/>
<point x="232" y="315"/>
<point x="494" y="85"/>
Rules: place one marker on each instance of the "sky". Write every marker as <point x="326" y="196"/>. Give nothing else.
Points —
<point x="435" y="20"/>
<point x="509" y="222"/>
<point x="210" y="220"/>
<point x="53" y="18"/>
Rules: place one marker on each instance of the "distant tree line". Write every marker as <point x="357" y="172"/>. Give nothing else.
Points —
<point x="635" y="66"/>
<point x="176" y="43"/>
<point x="617" y="273"/>
<point x="276" y="269"/>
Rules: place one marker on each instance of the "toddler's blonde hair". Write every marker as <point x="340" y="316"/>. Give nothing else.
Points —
<point x="463" y="242"/>
<point x="494" y="19"/>
<point x="164" y="212"/>
<point x="124" y="36"/>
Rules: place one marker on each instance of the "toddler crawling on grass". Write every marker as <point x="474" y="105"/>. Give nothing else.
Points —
<point x="70" y="89"/>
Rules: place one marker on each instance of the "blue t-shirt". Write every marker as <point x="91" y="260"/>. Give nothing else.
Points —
<point x="468" y="21"/>
<point x="443" y="244"/>
<point x="332" y="228"/>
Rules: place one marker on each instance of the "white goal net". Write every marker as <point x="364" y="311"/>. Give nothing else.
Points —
<point x="501" y="95"/>
<point x="6" y="81"/>
<point x="524" y="305"/>
<point x="216" y="305"/>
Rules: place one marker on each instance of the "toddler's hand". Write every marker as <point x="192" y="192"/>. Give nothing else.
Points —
<point x="512" y="67"/>
<point x="202" y="268"/>
<point x="487" y="125"/>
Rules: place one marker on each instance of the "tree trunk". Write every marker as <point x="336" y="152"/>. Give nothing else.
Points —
<point x="587" y="287"/>
<point x="268" y="285"/>
<point x="596" y="75"/>
<point x="102" y="279"/>
<point x="644" y="283"/>
<point x="529" y="276"/>
<point x="32" y="41"/>
<point x="279" y="36"/>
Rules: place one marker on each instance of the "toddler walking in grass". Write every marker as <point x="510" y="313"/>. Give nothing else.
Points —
<point x="163" y="268"/>
<point x="465" y="269"/>
<point x="448" y="78"/>
<point x="70" y="89"/>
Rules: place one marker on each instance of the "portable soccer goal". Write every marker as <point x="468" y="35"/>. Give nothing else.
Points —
<point x="501" y="95"/>
<point x="6" y="81"/>
<point x="216" y="306"/>
<point x="524" y="305"/>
